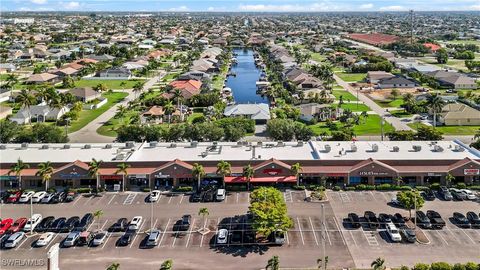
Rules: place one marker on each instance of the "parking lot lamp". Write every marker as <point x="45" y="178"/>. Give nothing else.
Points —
<point x="151" y="215"/>
<point x="31" y="215"/>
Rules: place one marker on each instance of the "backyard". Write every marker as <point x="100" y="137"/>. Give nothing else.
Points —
<point x="369" y="126"/>
<point x="450" y="130"/>
<point x="352" y="77"/>
<point x="111" y="84"/>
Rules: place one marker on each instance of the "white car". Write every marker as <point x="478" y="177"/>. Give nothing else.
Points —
<point x="26" y="196"/>
<point x="154" y="196"/>
<point x="44" y="239"/>
<point x="99" y="238"/>
<point x="37" y="197"/>
<point x="14" y="239"/>
<point x="135" y="223"/>
<point x="32" y="222"/>
<point x="71" y="239"/>
<point x="393" y="232"/>
<point x="48" y="198"/>
<point x="470" y="195"/>
<point x="222" y="236"/>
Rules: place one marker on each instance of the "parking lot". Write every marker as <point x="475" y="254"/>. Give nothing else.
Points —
<point x="303" y="243"/>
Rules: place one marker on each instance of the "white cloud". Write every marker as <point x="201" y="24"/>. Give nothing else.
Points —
<point x="393" y="8"/>
<point x="367" y="6"/>
<point x="286" y="8"/>
<point x="71" y="5"/>
<point x="475" y="7"/>
<point x="210" y="9"/>
<point x="180" y="8"/>
<point x="39" y="2"/>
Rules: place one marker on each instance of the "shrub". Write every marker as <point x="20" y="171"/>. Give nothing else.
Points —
<point x="385" y="187"/>
<point x="472" y="266"/>
<point x="318" y="195"/>
<point x="52" y="190"/>
<point x="83" y="190"/>
<point x="147" y="189"/>
<point x="299" y="187"/>
<point x="474" y="187"/>
<point x="440" y="266"/>
<point x="315" y="187"/>
<point x="349" y="188"/>
<point x="435" y="186"/>
<point x="183" y="189"/>
<point x="338" y="188"/>
<point x="461" y="185"/>
<point x="360" y="187"/>
<point x="422" y="188"/>
<point x="459" y="266"/>
<point x="404" y="267"/>
<point x="421" y="266"/>
<point x="403" y="188"/>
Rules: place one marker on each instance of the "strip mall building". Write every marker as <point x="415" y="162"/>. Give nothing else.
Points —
<point x="163" y="165"/>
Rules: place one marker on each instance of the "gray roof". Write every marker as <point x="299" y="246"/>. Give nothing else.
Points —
<point x="259" y="111"/>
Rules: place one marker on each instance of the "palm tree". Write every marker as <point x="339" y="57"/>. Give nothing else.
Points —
<point x="11" y="80"/>
<point x="122" y="168"/>
<point x="167" y="265"/>
<point x="93" y="168"/>
<point x="198" y="172"/>
<point x="435" y="102"/>
<point x="273" y="263"/>
<point x="17" y="169"/>
<point x="203" y="212"/>
<point x="248" y="174"/>
<point x="296" y="169"/>
<point x="123" y="84"/>
<point x="26" y="100"/>
<point x="138" y="87"/>
<point x="378" y="264"/>
<point x="45" y="171"/>
<point x="97" y="215"/>
<point x="364" y="115"/>
<point x="169" y="109"/>
<point x="177" y="95"/>
<point x="224" y="168"/>
<point x="121" y="111"/>
<point x="114" y="266"/>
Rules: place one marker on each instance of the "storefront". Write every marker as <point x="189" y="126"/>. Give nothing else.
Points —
<point x="112" y="182"/>
<point x="74" y="174"/>
<point x="138" y="181"/>
<point x="8" y="182"/>
<point x="173" y="173"/>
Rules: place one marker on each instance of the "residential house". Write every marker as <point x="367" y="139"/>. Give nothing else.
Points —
<point x="375" y="76"/>
<point x="395" y="82"/>
<point x="40" y="113"/>
<point x="7" y="67"/>
<point x="319" y="112"/>
<point x="84" y="94"/>
<point x="194" y="75"/>
<point x="188" y="88"/>
<point x="5" y="111"/>
<point x="42" y="78"/>
<point x="64" y="72"/>
<point x="258" y="112"/>
<point x="116" y="72"/>
<point x="157" y="114"/>
<point x="453" y="79"/>
<point x="458" y="114"/>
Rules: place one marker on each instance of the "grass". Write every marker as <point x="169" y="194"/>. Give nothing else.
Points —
<point x="318" y="57"/>
<point x="368" y="126"/>
<point x="401" y="113"/>
<point x="356" y="108"/>
<point x="352" y="77"/>
<point x="471" y="41"/>
<point x="397" y="103"/>
<point x="111" y="84"/>
<point x="345" y="94"/>
<point x="109" y="128"/>
<point x="170" y="76"/>
<point x="86" y="116"/>
<point x="450" y="130"/>
<point x="193" y="116"/>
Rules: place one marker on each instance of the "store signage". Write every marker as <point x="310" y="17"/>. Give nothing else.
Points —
<point x="372" y="173"/>
<point x="272" y="171"/>
<point x="433" y="174"/>
<point x="116" y="187"/>
<point x="162" y="175"/>
<point x="139" y="176"/>
<point x="8" y="177"/>
<point x="336" y="174"/>
<point x="72" y="175"/>
<point x="471" y="171"/>
<point x="111" y="177"/>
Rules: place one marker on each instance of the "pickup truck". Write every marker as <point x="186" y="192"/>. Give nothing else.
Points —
<point x="435" y="219"/>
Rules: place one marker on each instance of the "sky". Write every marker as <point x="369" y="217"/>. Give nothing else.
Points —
<point x="239" y="5"/>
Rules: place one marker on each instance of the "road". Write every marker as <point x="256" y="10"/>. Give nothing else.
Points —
<point x="88" y="134"/>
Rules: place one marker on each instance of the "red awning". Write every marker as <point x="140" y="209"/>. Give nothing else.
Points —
<point x="269" y="179"/>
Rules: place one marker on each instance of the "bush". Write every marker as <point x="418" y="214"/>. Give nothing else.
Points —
<point x="459" y="266"/>
<point x="472" y="266"/>
<point x="52" y="190"/>
<point x="403" y="188"/>
<point x="183" y="189"/>
<point x="440" y="266"/>
<point x="404" y="267"/>
<point x="365" y="187"/>
<point x="83" y="190"/>
<point x="350" y="188"/>
<point x="422" y="188"/>
<point x="147" y="189"/>
<point x="318" y="195"/>
<point x="315" y="187"/>
<point x="338" y="188"/>
<point x="461" y="185"/>
<point x="435" y="186"/>
<point x="299" y="187"/>
<point x="474" y="187"/>
<point x="421" y="266"/>
<point x="385" y="187"/>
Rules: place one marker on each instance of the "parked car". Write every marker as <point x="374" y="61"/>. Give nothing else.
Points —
<point x="37" y="197"/>
<point x="458" y="195"/>
<point x="236" y="237"/>
<point x="279" y="237"/>
<point x="221" y="193"/>
<point x="222" y="236"/>
<point x="120" y="226"/>
<point x="384" y="218"/>
<point x="57" y="224"/>
<point x="461" y="220"/>
<point x="154" y="196"/>
<point x="17" y="225"/>
<point x="436" y="219"/>
<point x="85" y="238"/>
<point x="45" y="224"/>
<point x="48" y="198"/>
<point x="85" y="222"/>
<point x="14" y="239"/>
<point x="393" y="232"/>
<point x="71" y="239"/>
<point x="14" y="197"/>
<point x="44" y="239"/>
<point x="469" y="194"/>
<point x="59" y="197"/>
<point x="70" y="224"/>
<point x="3" y="239"/>
<point x="135" y="223"/>
<point x="354" y="220"/>
<point x="473" y="219"/>
<point x="70" y="197"/>
<point x="26" y="196"/>
<point x="5" y="225"/>
<point x="371" y="220"/>
<point x="99" y="238"/>
<point x="422" y="220"/>
<point x="196" y="197"/>
<point x="409" y="235"/>
<point x="153" y="238"/>
<point x="445" y="193"/>
<point x="32" y="222"/>
<point x="428" y="195"/>
<point x="398" y="220"/>
<point x="185" y="223"/>
<point x="126" y="238"/>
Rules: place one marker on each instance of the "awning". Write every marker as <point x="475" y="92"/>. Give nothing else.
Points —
<point x="269" y="179"/>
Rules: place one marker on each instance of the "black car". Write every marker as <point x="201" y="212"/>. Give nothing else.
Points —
<point x="120" y="226"/>
<point x="70" y="224"/>
<point x="371" y="219"/>
<point x="409" y="235"/>
<point x="461" y="220"/>
<point x="457" y="195"/>
<point x="45" y="224"/>
<point x="236" y="237"/>
<point x="428" y="195"/>
<point x="57" y="225"/>
<point x="354" y="220"/>
<point x="59" y="197"/>
<point x="195" y="197"/>
<point x="384" y="218"/>
<point x="422" y="220"/>
<point x="184" y="223"/>
<point x="436" y="219"/>
<point x="473" y="219"/>
<point x="209" y="195"/>
<point x="126" y="238"/>
<point x="3" y="239"/>
<point x="86" y="220"/>
<point x="398" y="220"/>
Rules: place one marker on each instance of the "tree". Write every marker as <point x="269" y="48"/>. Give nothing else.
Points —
<point x="273" y="263"/>
<point x="248" y="174"/>
<point x="11" y="80"/>
<point x="442" y="56"/>
<point x="401" y="135"/>
<point x="93" y="168"/>
<point x="322" y="262"/>
<point x="296" y="169"/>
<point x="45" y="171"/>
<point x="224" y="168"/>
<point x="138" y="87"/>
<point x="426" y="133"/>
<point x="410" y="199"/>
<point x="123" y="84"/>
<point x="122" y="169"/>
<point x="101" y="87"/>
<point x="68" y="82"/>
<point x="198" y="172"/>
<point x="435" y="102"/>
<point x="167" y="265"/>
<point x="97" y="215"/>
<point x="378" y="264"/>
<point x="203" y="212"/>
<point x="169" y="109"/>
<point x="17" y="169"/>
<point x="8" y="130"/>
<point x="114" y="266"/>
<point x="121" y="111"/>
<point x="26" y="100"/>
<point x="394" y="93"/>
<point x="449" y="178"/>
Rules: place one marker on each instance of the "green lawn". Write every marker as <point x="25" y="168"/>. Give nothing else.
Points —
<point x="369" y="126"/>
<point x="86" y="116"/>
<point x="108" y="129"/>
<point x="318" y="57"/>
<point x="345" y="94"/>
<point x="352" y="77"/>
<point x="193" y="116"/>
<point x="451" y="130"/>
<point x="170" y="76"/>
<point x="471" y="41"/>
<point x="354" y="107"/>
<point x="401" y="113"/>
<point x="390" y="103"/>
<point x="111" y="84"/>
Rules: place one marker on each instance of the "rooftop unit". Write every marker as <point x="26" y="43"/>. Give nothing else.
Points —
<point x="108" y="146"/>
<point x="417" y="148"/>
<point x="66" y="146"/>
<point x="3" y="147"/>
<point x="129" y="144"/>
<point x="24" y="145"/>
<point x="45" y="146"/>
<point x="458" y="148"/>
<point x="153" y="144"/>
<point x="193" y="144"/>
<point x="437" y="148"/>
<point x="328" y="148"/>
<point x="87" y="146"/>
<point x="353" y="148"/>
<point x="374" y="147"/>
<point x="395" y="149"/>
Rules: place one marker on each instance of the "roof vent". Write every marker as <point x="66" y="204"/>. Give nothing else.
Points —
<point x="417" y="148"/>
<point x="108" y="146"/>
<point x="259" y="144"/>
<point x="45" y="146"/>
<point x="87" y="146"/>
<point x="193" y="143"/>
<point x="66" y="146"/>
<point x="458" y="148"/>
<point x="300" y="143"/>
<point x="374" y="147"/>
<point x="129" y="144"/>
<point x="24" y="145"/>
<point x="3" y="147"/>
<point x="173" y="145"/>
<point x="280" y="143"/>
<point x="396" y="149"/>
<point x="328" y="148"/>
<point x="437" y="148"/>
<point x="120" y="157"/>
<point x="353" y="148"/>
<point x="153" y="144"/>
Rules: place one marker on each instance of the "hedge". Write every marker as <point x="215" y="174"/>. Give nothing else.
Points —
<point x="300" y="187"/>
<point x="183" y="189"/>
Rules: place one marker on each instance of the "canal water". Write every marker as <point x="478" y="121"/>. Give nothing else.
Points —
<point x="243" y="85"/>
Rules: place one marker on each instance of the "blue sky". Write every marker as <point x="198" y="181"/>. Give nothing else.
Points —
<point x="237" y="5"/>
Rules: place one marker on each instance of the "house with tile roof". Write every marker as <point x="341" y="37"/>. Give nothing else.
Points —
<point x="458" y="114"/>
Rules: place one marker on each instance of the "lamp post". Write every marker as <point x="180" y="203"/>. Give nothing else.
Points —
<point x="382" y="119"/>
<point x="67" y="120"/>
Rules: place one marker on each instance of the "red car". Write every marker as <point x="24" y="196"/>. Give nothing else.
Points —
<point x="5" y="225"/>
<point x="18" y="225"/>
<point x="14" y="197"/>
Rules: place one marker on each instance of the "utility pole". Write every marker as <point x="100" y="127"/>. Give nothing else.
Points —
<point x="411" y="26"/>
<point x="324" y="231"/>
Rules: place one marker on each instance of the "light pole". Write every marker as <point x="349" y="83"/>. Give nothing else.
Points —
<point x="381" y="124"/>
<point x="31" y="215"/>
<point x="323" y="238"/>
<point x="151" y="215"/>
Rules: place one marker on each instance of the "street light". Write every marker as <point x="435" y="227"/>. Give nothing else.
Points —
<point x="67" y="120"/>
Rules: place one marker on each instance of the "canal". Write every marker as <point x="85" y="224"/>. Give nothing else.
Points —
<point x="243" y="85"/>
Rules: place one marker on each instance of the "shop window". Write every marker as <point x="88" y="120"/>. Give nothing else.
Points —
<point x="355" y="180"/>
<point x="88" y="182"/>
<point x="383" y="180"/>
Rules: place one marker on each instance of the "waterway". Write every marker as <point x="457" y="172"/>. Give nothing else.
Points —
<point x="243" y="85"/>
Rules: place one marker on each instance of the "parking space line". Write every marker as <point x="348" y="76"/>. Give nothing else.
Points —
<point x="300" y="229"/>
<point x="286" y="238"/>
<point x="341" y="233"/>
<point x="130" y="198"/>
<point x="385" y="196"/>
<point x="353" y="238"/>
<point x="313" y="228"/>
<point x="237" y="196"/>
<point x="163" y="234"/>
<point x="106" y="240"/>
<point x="159" y="197"/>
<point x="76" y="200"/>
<point x="169" y="200"/>
<point x="468" y="237"/>
<point x="105" y="223"/>
<point x="181" y="199"/>
<point x="439" y="234"/>
<point x="137" y="233"/>
<point x="373" y="196"/>
<point x="111" y="199"/>
<point x="51" y="241"/>
<point x="190" y="233"/>
<point x="19" y="245"/>
<point x="88" y="200"/>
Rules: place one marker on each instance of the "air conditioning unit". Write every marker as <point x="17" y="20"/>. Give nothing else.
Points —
<point x="3" y="147"/>
<point x="87" y="146"/>
<point x="437" y="148"/>
<point x="45" y="146"/>
<point x="374" y="147"/>
<point x="24" y="145"/>
<point x="193" y="143"/>
<point x="417" y="148"/>
<point x="153" y="143"/>
<point x="120" y="157"/>
<point x="280" y="143"/>
<point x="173" y="145"/>
<point x="328" y="148"/>
<point x="129" y="144"/>
<point x="66" y="146"/>
<point x="353" y="148"/>
<point x="108" y="146"/>
<point x="396" y="149"/>
<point x="259" y="144"/>
<point x="300" y="143"/>
<point x="458" y="148"/>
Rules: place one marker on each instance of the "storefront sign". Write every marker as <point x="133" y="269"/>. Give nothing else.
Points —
<point x="73" y="175"/>
<point x="471" y="171"/>
<point x="116" y="187"/>
<point x="111" y="177"/>
<point x="272" y="171"/>
<point x="336" y="174"/>
<point x="372" y="173"/>
<point x="236" y="174"/>
<point x="162" y="175"/>
<point x="8" y="178"/>
<point x="433" y="174"/>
